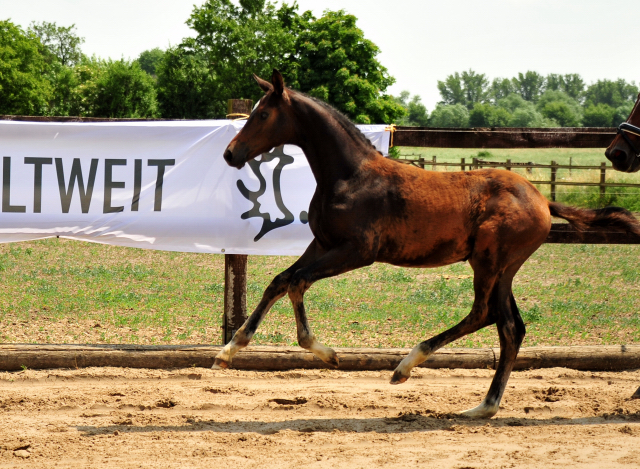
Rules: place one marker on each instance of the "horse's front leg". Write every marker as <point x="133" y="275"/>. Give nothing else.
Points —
<point x="332" y="263"/>
<point x="276" y="290"/>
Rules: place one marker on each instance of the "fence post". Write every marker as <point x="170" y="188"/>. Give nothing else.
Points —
<point x="508" y="165"/>
<point x="235" y="265"/>
<point x="462" y="165"/>
<point x="603" y="175"/>
<point x="474" y="163"/>
<point x="570" y="165"/>
<point x="238" y="107"/>
<point x="433" y="160"/>
<point x="554" y="172"/>
<point x="421" y="162"/>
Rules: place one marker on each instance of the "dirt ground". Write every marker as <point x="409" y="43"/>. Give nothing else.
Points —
<point x="121" y="418"/>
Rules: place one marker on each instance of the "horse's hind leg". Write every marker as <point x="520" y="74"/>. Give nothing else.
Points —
<point x="480" y="316"/>
<point x="511" y="331"/>
<point x="276" y="290"/>
<point x="332" y="263"/>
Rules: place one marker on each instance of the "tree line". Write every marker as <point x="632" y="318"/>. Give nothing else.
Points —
<point x="530" y="99"/>
<point x="43" y="71"/>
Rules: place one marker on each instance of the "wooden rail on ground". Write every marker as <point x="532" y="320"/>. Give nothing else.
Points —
<point x="263" y="358"/>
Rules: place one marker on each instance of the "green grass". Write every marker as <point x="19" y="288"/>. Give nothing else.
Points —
<point x="627" y="197"/>
<point x="61" y="291"/>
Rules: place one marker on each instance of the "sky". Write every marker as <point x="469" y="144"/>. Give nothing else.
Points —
<point x="421" y="41"/>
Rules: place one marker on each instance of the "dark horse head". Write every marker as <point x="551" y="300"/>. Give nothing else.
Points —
<point x="269" y="124"/>
<point x="624" y="151"/>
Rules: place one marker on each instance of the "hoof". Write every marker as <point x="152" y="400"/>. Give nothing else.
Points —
<point x="220" y="364"/>
<point x="333" y="361"/>
<point x="636" y="395"/>
<point x="326" y="354"/>
<point x="483" y="411"/>
<point x="398" y="378"/>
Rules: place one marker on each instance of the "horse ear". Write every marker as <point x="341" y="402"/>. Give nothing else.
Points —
<point x="264" y="84"/>
<point x="277" y="82"/>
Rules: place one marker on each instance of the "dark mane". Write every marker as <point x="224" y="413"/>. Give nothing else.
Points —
<point x="348" y="126"/>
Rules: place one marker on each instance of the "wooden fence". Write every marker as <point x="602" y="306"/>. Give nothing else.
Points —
<point x="477" y="163"/>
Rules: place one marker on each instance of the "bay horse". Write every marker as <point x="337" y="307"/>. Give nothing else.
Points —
<point x="624" y="153"/>
<point x="367" y="208"/>
<point x="624" y="150"/>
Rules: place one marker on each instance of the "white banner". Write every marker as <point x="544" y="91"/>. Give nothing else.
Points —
<point x="155" y="185"/>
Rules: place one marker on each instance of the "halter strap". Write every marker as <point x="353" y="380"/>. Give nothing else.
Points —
<point x="626" y="128"/>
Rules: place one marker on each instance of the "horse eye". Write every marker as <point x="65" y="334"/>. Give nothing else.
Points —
<point x="264" y="115"/>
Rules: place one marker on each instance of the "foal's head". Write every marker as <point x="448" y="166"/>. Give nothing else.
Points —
<point x="269" y="125"/>
<point x="624" y="151"/>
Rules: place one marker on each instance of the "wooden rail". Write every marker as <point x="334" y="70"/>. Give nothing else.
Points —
<point x="15" y="357"/>
<point x="565" y="137"/>
<point x="477" y="163"/>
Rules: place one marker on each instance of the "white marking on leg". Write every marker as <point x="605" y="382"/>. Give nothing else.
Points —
<point x="415" y="357"/>
<point x="224" y="357"/>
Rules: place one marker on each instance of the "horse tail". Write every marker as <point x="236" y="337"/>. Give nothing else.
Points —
<point x="611" y="218"/>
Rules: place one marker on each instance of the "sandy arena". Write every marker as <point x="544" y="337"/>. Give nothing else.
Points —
<point x="122" y="418"/>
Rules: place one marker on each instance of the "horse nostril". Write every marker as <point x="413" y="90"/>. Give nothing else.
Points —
<point x="228" y="156"/>
<point x="619" y="155"/>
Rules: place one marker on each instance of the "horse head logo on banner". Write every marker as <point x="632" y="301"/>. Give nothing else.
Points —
<point x="253" y="196"/>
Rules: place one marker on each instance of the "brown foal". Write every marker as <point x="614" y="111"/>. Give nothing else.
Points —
<point x="367" y="208"/>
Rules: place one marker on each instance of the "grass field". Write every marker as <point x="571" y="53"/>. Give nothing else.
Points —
<point x="626" y="197"/>
<point x="62" y="291"/>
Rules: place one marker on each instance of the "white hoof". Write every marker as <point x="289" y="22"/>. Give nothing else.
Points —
<point x="483" y="411"/>
<point x="326" y="354"/>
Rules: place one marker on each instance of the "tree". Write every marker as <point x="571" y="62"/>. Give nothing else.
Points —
<point x="328" y="58"/>
<point x="24" y="88"/>
<point x="185" y="86"/>
<point x="500" y="88"/>
<point x="61" y="42"/>
<point x="559" y="106"/>
<point x="415" y="112"/>
<point x="512" y="102"/>
<point x="488" y="115"/>
<point x="622" y="113"/>
<point x="451" y="90"/>
<point x="529" y="85"/>
<point x="467" y="88"/>
<point x="529" y="117"/>
<point x="599" y="115"/>
<point x="123" y="89"/>
<point x="449" y="115"/>
<point x="337" y="64"/>
<point x="613" y="93"/>
<point x="572" y="84"/>
<point x="81" y="93"/>
<point x="149" y="60"/>
<point x="475" y="87"/>
<point x="524" y="113"/>
<point x="232" y="42"/>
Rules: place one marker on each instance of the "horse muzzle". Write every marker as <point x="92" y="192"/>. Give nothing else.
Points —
<point x="622" y="160"/>
<point x="232" y="158"/>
